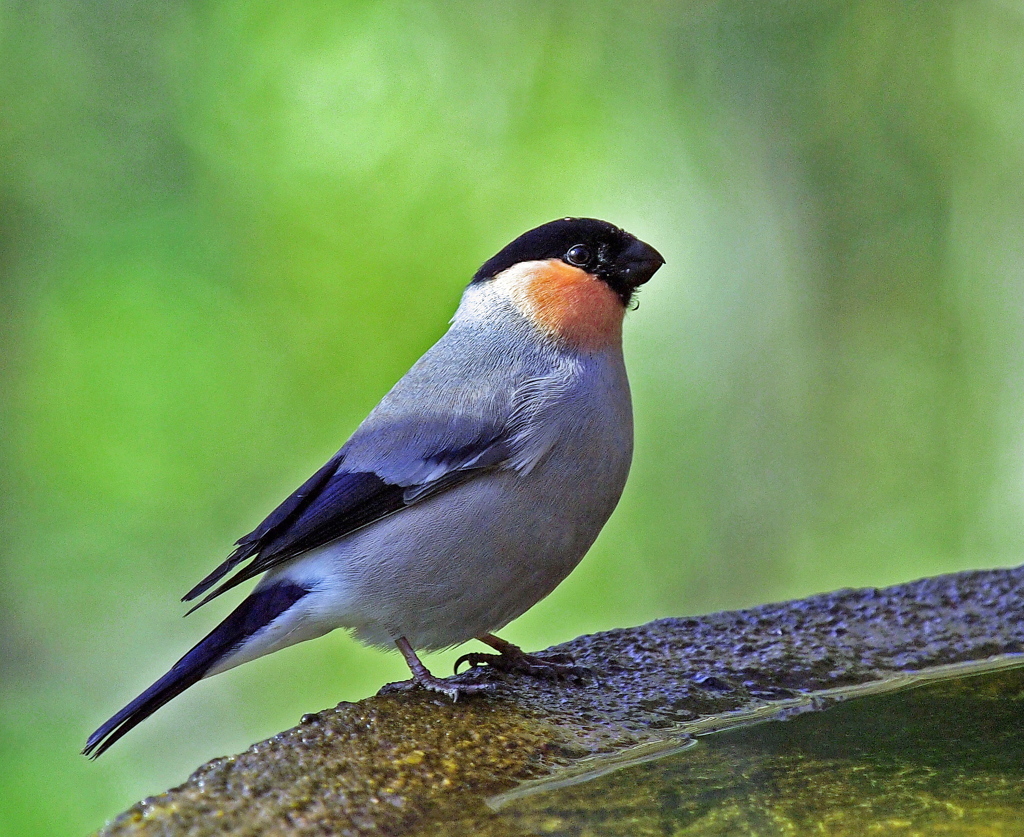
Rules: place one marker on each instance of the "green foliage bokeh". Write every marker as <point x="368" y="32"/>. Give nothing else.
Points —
<point x="226" y="228"/>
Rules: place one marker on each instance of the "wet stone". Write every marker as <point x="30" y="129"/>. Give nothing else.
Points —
<point x="412" y="764"/>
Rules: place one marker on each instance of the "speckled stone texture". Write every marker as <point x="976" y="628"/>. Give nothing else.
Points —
<point x="417" y="764"/>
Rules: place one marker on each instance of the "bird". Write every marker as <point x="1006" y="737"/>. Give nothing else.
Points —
<point x="470" y="491"/>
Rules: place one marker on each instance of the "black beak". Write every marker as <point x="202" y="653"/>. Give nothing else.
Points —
<point x="638" y="263"/>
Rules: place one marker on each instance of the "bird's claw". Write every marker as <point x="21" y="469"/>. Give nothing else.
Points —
<point x="551" y="667"/>
<point x="436" y="684"/>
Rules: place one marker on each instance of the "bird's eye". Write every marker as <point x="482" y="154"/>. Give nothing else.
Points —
<point x="578" y="255"/>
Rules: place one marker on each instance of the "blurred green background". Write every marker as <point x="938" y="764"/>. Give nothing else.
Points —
<point x="226" y="228"/>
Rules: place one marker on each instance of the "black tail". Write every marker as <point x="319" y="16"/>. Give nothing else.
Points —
<point x="256" y="612"/>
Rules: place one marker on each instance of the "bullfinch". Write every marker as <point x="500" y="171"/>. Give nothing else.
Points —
<point x="469" y="492"/>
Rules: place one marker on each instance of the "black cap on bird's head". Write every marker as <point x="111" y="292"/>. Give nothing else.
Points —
<point x="619" y="259"/>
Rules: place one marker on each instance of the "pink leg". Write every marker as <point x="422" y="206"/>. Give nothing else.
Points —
<point x="423" y="679"/>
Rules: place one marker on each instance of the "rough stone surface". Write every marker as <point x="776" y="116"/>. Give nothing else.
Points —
<point x="417" y="764"/>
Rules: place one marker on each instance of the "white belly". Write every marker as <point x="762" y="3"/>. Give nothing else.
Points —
<point x="466" y="562"/>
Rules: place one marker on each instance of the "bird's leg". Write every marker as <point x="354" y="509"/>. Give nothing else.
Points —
<point x="512" y="659"/>
<point x="423" y="679"/>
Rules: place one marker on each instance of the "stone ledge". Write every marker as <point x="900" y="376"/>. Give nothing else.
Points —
<point x="417" y="764"/>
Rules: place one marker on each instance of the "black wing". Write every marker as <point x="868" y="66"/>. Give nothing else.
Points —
<point x="335" y="502"/>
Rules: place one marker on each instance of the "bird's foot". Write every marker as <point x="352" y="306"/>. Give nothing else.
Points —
<point x="558" y="667"/>
<point x="436" y="684"/>
<point x="423" y="679"/>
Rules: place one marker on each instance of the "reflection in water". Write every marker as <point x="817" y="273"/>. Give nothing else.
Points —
<point x="947" y="758"/>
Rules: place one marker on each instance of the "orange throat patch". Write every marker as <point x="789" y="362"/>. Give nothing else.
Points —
<point x="570" y="304"/>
